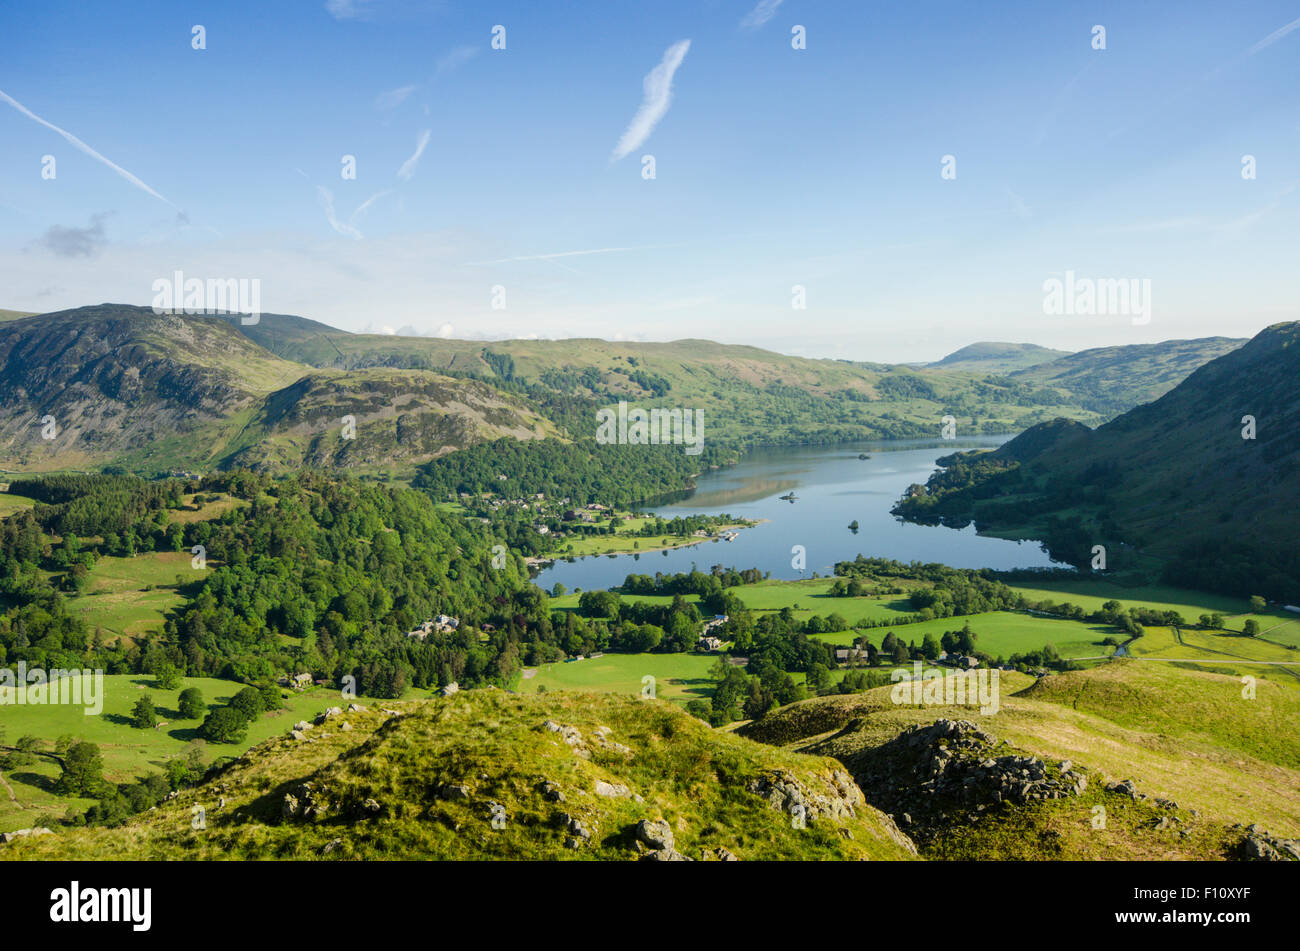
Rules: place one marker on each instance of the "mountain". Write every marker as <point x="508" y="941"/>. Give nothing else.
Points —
<point x="116" y="380"/>
<point x="401" y="418"/>
<point x="1173" y="479"/>
<point x="151" y="392"/>
<point x="997" y="357"/>
<point x="1110" y="380"/>
<point x="486" y="775"/>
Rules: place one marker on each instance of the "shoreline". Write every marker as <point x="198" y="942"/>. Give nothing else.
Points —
<point x="547" y="561"/>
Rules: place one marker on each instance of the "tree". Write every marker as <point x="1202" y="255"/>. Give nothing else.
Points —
<point x="930" y="646"/>
<point x="166" y="676"/>
<point x="83" y="770"/>
<point x="270" y="696"/>
<point x="191" y="703"/>
<point x="248" y="703"/>
<point x="143" y="714"/>
<point x="224" y="725"/>
<point x="818" y="676"/>
<point x="1251" y="628"/>
<point x="1257" y="603"/>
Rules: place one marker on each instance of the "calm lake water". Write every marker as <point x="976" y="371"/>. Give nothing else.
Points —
<point x="834" y="487"/>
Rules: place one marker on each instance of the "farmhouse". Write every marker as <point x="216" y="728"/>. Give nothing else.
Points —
<point x="442" y="624"/>
<point x="717" y="621"/>
<point x="708" y="644"/>
<point x="844" y="655"/>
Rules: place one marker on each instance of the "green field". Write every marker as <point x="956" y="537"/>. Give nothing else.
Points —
<point x="999" y="633"/>
<point x="11" y="503"/>
<point x="810" y="597"/>
<point x="1219" y="653"/>
<point x="130" y="752"/>
<point x="1275" y="624"/>
<point x="130" y="596"/>
<point x="678" y="677"/>
<point x="625" y="542"/>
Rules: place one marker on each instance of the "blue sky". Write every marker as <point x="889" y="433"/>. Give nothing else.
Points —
<point x="775" y="167"/>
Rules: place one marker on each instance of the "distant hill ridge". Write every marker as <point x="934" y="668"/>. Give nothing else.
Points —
<point x="149" y="392"/>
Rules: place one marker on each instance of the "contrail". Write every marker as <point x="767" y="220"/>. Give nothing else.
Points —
<point x="1273" y="37"/>
<point x="87" y="149"/>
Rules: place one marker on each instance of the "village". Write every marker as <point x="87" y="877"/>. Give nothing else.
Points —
<point x="544" y="529"/>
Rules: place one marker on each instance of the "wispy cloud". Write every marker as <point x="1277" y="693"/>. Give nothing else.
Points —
<point x="1273" y="37"/>
<point x="348" y="9"/>
<point x="658" y="86"/>
<point x="456" y="57"/>
<point x="758" y="16"/>
<point x="365" y="205"/>
<point x="1238" y="227"/>
<point x="393" y="97"/>
<point x="408" y="167"/>
<point x="75" y="242"/>
<point x="77" y="143"/>
<point x="552" y="256"/>
<point x="327" y="202"/>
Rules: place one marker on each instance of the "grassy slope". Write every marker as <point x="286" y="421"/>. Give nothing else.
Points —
<point x="155" y="393"/>
<point x="1176" y="472"/>
<point x="1238" y="768"/>
<point x="678" y="677"/>
<point x="692" y="777"/>
<point x="130" y="752"/>
<point x="997" y="357"/>
<point x="1111" y="379"/>
<point x="745" y="392"/>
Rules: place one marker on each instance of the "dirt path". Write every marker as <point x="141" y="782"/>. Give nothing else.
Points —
<point x="9" y="789"/>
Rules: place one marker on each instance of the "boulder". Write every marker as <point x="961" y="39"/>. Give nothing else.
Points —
<point x="656" y="833"/>
<point x="665" y="855"/>
<point x="23" y="833"/>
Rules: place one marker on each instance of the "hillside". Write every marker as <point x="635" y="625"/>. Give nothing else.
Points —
<point x="997" y="357"/>
<point x="402" y="418"/>
<point x="1173" y="479"/>
<point x="117" y="380"/>
<point x="165" y="392"/>
<point x="484" y="775"/>
<point x="1110" y="380"/>
<point x="749" y="396"/>
<point x="156" y="393"/>
<point x="1179" y="775"/>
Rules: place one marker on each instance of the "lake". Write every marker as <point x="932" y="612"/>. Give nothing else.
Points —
<point x="833" y="488"/>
